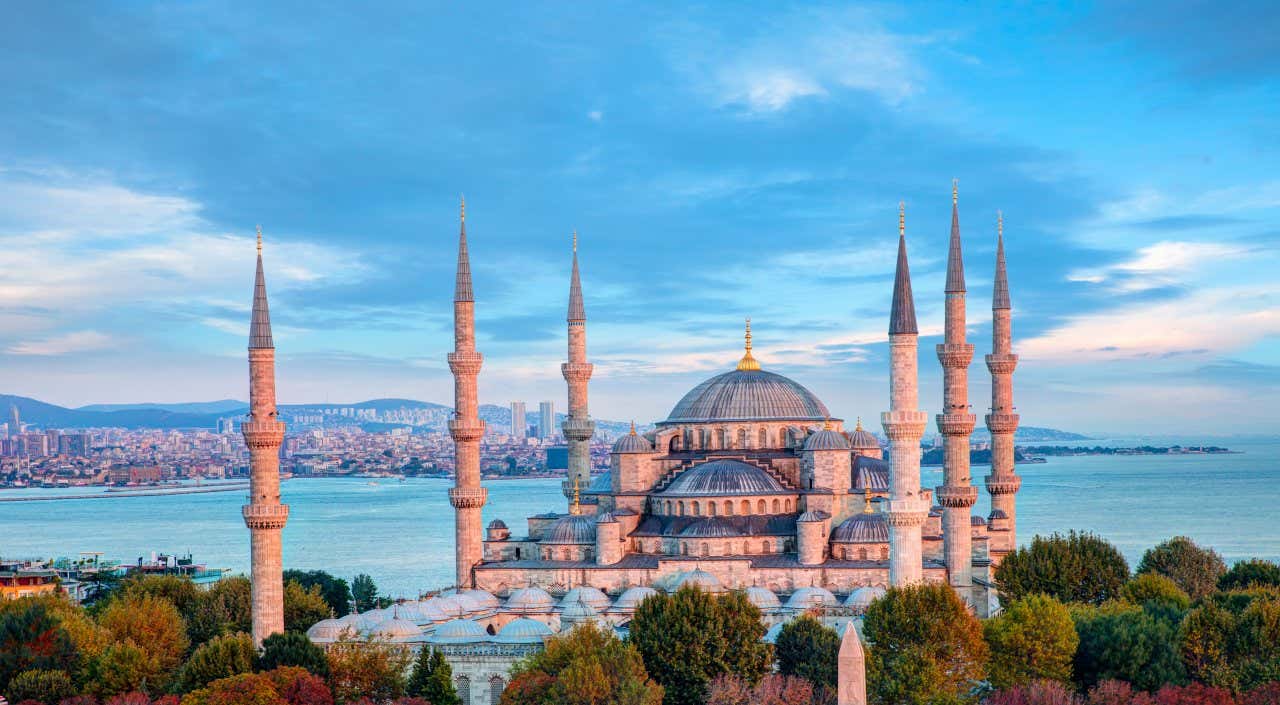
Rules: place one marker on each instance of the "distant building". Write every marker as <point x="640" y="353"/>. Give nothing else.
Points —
<point x="15" y="424"/>
<point x="558" y="458"/>
<point x="546" y="419"/>
<point x="131" y="475"/>
<point x="226" y="426"/>
<point x="74" y="444"/>
<point x="519" y="426"/>
<point x="35" y="445"/>
<point x="18" y="582"/>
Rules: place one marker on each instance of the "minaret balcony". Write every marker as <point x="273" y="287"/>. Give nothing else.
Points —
<point x="466" y="430"/>
<point x="1002" y="423"/>
<point x="955" y="355"/>
<point x="465" y="363"/>
<point x="576" y="372"/>
<point x="263" y="433"/>
<point x="912" y="511"/>
<point x="956" y="424"/>
<point x="904" y="425"/>
<point x="468" y="497"/>
<point x="957" y="496"/>
<point x="1002" y="364"/>
<point x="578" y="428"/>
<point x="1003" y="484"/>
<point x="265" y="516"/>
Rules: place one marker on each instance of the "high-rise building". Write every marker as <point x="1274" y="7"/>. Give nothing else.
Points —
<point x="519" y="426"/>
<point x="74" y="444"/>
<point x="15" y="424"/>
<point x="546" y="419"/>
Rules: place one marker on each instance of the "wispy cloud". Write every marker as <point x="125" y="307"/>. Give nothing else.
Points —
<point x="74" y="342"/>
<point x="1159" y="265"/>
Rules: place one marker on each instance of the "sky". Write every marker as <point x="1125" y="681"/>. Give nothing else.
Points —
<point x="719" y="160"/>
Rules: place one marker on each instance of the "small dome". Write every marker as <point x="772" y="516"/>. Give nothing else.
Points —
<point x="811" y="516"/>
<point x="408" y="611"/>
<point x="578" y="613"/>
<point x="862" y="439"/>
<point x="632" y="598"/>
<point x="700" y="579"/>
<point x="458" y="631"/>
<point x="809" y="597"/>
<point x="632" y="443"/>
<point x="327" y="631"/>
<point x="468" y="604"/>
<point x="763" y="598"/>
<point x="485" y="599"/>
<point x="862" y="528"/>
<point x="497" y="524"/>
<point x="710" y="528"/>
<point x="573" y="529"/>
<point x="362" y="623"/>
<point x="826" y="439"/>
<point x="723" y="477"/>
<point x="397" y="631"/>
<point x="523" y="631"/>
<point x="862" y="597"/>
<point x="976" y="520"/>
<point x="606" y="518"/>
<point x="530" y="599"/>
<point x="586" y="595"/>
<point x="442" y="604"/>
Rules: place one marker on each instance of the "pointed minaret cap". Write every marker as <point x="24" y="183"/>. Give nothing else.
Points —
<point x="260" y="324"/>
<point x="902" y="317"/>
<point x="462" y="289"/>
<point x="1000" y="294"/>
<point x="955" y="261"/>
<point x="577" y="312"/>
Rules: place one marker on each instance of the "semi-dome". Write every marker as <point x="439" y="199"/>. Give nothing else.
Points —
<point x="862" y="528"/>
<point x="631" y="599"/>
<point x="530" y="599"/>
<point x="587" y="595"/>
<point x="763" y="598"/>
<point x="396" y="631"/>
<point x="573" y="529"/>
<point x="826" y="439"/>
<point x="809" y="597"/>
<point x="863" y="596"/>
<point x="632" y="443"/>
<point x="748" y="395"/>
<point x="327" y="631"/>
<point x="523" y="631"/>
<point x="976" y="520"/>
<point x="712" y="528"/>
<point x="723" y="477"/>
<point x="458" y="631"/>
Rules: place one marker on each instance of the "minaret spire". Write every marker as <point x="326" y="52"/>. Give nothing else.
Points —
<point x="902" y="316"/>
<point x="264" y="515"/>
<point x="578" y="427"/>
<point x="1003" y="482"/>
<point x="955" y="261"/>
<point x="467" y="495"/>
<point x="1000" y="293"/>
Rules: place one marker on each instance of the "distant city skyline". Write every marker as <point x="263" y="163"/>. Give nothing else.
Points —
<point x="723" y="163"/>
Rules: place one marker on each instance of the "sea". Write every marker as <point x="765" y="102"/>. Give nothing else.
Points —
<point x="401" y="533"/>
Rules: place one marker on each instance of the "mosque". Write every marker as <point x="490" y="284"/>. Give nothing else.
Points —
<point x="750" y="483"/>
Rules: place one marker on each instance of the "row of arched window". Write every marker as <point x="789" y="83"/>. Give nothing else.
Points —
<point x="731" y="548"/>
<point x="727" y="439"/>
<point x="725" y="508"/>
<point x="863" y="554"/>
<point x="462" y="684"/>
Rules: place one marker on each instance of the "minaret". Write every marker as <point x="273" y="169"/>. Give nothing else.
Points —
<point x="466" y="428"/>
<point x="578" y="426"/>
<point x="263" y="433"/>
<point x="955" y="423"/>
<point x="1003" y="482"/>
<point x="904" y="425"/>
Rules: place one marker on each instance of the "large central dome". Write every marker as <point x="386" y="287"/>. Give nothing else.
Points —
<point x="748" y="395"/>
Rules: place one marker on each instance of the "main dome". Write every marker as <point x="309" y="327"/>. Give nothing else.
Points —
<point x="748" y="395"/>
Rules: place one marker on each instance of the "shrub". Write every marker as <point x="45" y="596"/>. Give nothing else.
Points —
<point x="1113" y="692"/>
<point x="1035" y="693"/>
<point x="1033" y="639"/>
<point x="1265" y="694"/>
<point x="220" y="657"/>
<point x="1078" y="567"/>
<point x="1193" y="569"/>
<point x="1194" y="694"/>
<point x="40" y="685"/>
<point x="771" y="690"/>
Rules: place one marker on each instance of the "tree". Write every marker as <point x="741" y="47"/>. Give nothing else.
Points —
<point x="292" y="649"/>
<point x="689" y="638"/>
<point x="43" y="686"/>
<point x="334" y="590"/>
<point x="586" y="666"/>
<point x="432" y="679"/>
<point x="179" y="591"/>
<point x="1232" y="640"/>
<point x="366" y="668"/>
<point x="925" y="646"/>
<point x="807" y="649"/>
<point x="1193" y="569"/>
<point x="1135" y="644"/>
<point x="365" y="592"/>
<point x="1154" y="587"/>
<point x="1078" y="567"/>
<point x="30" y="639"/>
<point x="297" y="686"/>
<point x="1250" y="574"/>
<point x="153" y="625"/>
<point x="122" y="667"/>
<point x="244" y="689"/>
<point x="225" y="608"/>
<point x="771" y="690"/>
<point x="303" y="607"/>
<point x="220" y="657"/>
<point x="1033" y="639"/>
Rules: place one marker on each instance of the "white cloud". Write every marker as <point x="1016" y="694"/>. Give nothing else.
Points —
<point x="1161" y="264"/>
<point x="74" y="342"/>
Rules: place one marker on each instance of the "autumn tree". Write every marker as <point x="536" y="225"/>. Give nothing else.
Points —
<point x="1077" y="567"/>
<point x="1033" y="639"/>
<point x="335" y="591"/>
<point x="220" y="657"/>
<point x="432" y="679"/>
<point x="807" y="649"/>
<point x="690" y="637"/>
<point x="153" y="625"/>
<point x="925" y="646"/>
<point x="586" y="666"/>
<point x="225" y="608"/>
<point x="179" y="591"/>
<point x="32" y="639"/>
<point x="1154" y="587"/>
<point x="365" y="668"/>
<point x="303" y="607"/>
<point x="292" y="649"/>
<point x="1193" y="569"/>
<point x="43" y="686"/>
<point x="1232" y="640"/>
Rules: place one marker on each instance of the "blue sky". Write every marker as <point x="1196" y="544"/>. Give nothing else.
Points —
<point x="720" y="160"/>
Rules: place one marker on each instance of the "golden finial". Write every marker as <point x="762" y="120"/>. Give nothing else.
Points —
<point x="868" y="509"/>
<point x="999" y="224"/>
<point x="955" y="191"/>
<point x="462" y="209"/>
<point x="859" y="426"/>
<point x="575" y="239"/>
<point x="633" y="427"/>
<point x="826" y="423"/>
<point x="259" y="239"/>
<point x="748" y="363"/>
<point x="577" y="498"/>
<point x="902" y="219"/>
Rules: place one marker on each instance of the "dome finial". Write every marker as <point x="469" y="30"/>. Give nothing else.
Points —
<point x="748" y="363"/>
<point x="576" y="508"/>
<point x="868" y="509"/>
<point x="633" y="427"/>
<point x="859" y="426"/>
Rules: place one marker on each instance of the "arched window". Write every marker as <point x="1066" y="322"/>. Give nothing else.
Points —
<point x="564" y="555"/>
<point x="697" y="511"/>
<point x="760" y="507"/>
<point x="768" y="547"/>
<point x="684" y="548"/>
<point x="711" y="509"/>
<point x="668" y="507"/>
<point x="775" y="506"/>
<point x="862" y="554"/>
<point x="746" y="507"/>
<point x="706" y="551"/>
<point x="680" y="509"/>
<point x="462" y="685"/>
<point x="787" y="508"/>
<point x="742" y="438"/>
<point x="496" y="686"/>
<point x="728" y="508"/>
<point x="764" y="438"/>
<point x="884" y="553"/>
<point x="674" y="445"/>
<point x="588" y="554"/>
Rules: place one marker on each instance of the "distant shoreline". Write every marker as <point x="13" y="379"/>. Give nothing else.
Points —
<point x="139" y="493"/>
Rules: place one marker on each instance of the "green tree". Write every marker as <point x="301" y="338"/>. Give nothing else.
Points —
<point x="334" y="590"/>
<point x="365" y="592"/>
<point x="225" y="608"/>
<point x="32" y="639"/>
<point x="367" y="669"/>
<point x="807" y="649"/>
<point x="925" y="646"/>
<point x="1078" y="567"/>
<point x="1135" y="644"/>
<point x="1193" y="569"/>
<point x="586" y="666"/>
<point x="122" y="667"/>
<point x="1154" y="587"/>
<point x="432" y="679"/>
<point x="1207" y="643"/>
<point x="292" y="649"/>
<point x="1032" y="639"/>
<point x="48" y="687"/>
<point x="1250" y="574"/>
<point x="303" y="607"/>
<point x="220" y="657"/>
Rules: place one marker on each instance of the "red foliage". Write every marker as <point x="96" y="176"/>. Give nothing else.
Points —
<point x="529" y="687"/>
<point x="1115" y="692"/>
<point x="1194" y="694"/>
<point x="128" y="699"/>
<point x="410" y="701"/>
<point x="79" y="700"/>
<point x="167" y="700"/>
<point x="299" y="687"/>
<point x="29" y="701"/>
<point x="1036" y="693"/>
<point x="1265" y="694"/>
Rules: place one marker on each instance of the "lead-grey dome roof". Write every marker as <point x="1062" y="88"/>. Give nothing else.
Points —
<point x="573" y="529"/>
<point x="862" y="528"/>
<point x="719" y="478"/>
<point x="748" y="395"/>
